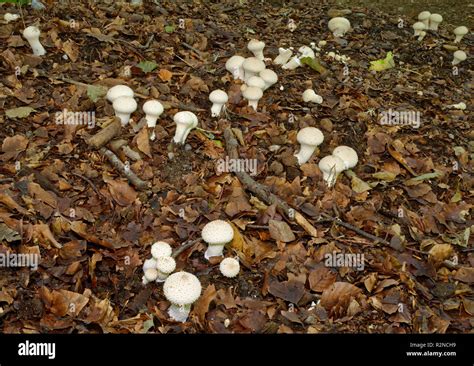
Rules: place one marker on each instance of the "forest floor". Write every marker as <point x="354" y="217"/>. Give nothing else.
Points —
<point x="412" y="190"/>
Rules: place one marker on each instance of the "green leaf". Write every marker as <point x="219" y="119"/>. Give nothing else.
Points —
<point x="147" y="66"/>
<point x="170" y="28"/>
<point x="20" y="112"/>
<point x="95" y="92"/>
<point x="19" y="2"/>
<point x="383" y="64"/>
<point x="218" y="143"/>
<point x="313" y="63"/>
<point x="423" y="177"/>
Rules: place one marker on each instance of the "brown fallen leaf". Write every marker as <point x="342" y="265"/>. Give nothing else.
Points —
<point x="439" y="252"/>
<point x="291" y="290"/>
<point x="165" y="75"/>
<point x="465" y="274"/>
<point x="201" y="307"/>
<point x="281" y="231"/>
<point x="122" y="192"/>
<point x="143" y="141"/>
<point x="337" y="298"/>
<point x="321" y="278"/>
<point x="81" y="229"/>
<point x="12" y="146"/>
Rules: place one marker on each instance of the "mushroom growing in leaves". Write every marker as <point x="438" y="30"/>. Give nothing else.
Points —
<point x="418" y="27"/>
<point x="124" y="107"/>
<point x="165" y="266"/>
<point x="460" y="32"/>
<point x="252" y="67"/>
<point x="309" y="138"/>
<point x="119" y="91"/>
<point x="253" y="95"/>
<point x="256" y="47"/>
<point x="309" y="95"/>
<point x="160" y="249"/>
<point x="257" y="82"/>
<point x="32" y="34"/>
<point x="292" y="64"/>
<point x="182" y="289"/>
<point x="234" y="66"/>
<point x="218" y="99"/>
<point x="284" y="55"/>
<point x="229" y="267"/>
<point x="424" y="17"/>
<point x="150" y="275"/>
<point x="216" y="234"/>
<point x="435" y="21"/>
<point x="331" y="166"/>
<point x="8" y="17"/>
<point x="347" y="154"/>
<point x="339" y="26"/>
<point x="185" y="122"/>
<point x="153" y="109"/>
<point x="459" y="56"/>
<point x="269" y="77"/>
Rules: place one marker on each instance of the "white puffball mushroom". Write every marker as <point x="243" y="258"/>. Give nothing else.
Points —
<point x="309" y="95"/>
<point x="252" y="67"/>
<point x="269" y="78"/>
<point x="435" y="20"/>
<point x="460" y="32"/>
<point x="149" y="263"/>
<point x="253" y="95"/>
<point x="347" y="154"/>
<point x="185" y="122"/>
<point x="152" y="109"/>
<point x="218" y="99"/>
<point x="124" y="107"/>
<point x="306" y="51"/>
<point x="418" y="27"/>
<point x="165" y="266"/>
<point x="331" y="166"/>
<point x="292" y="64"/>
<point x="459" y="56"/>
<point x="424" y="17"/>
<point x="257" y="82"/>
<point x="161" y="249"/>
<point x="150" y="275"/>
<point x="339" y="26"/>
<point x="118" y="91"/>
<point x="229" y="267"/>
<point x="284" y="54"/>
<point x="216" y="234"/>
<point x="461" y="106"/>
<point x="182" y="289"/>
<point x="421" y="36"/>
<point x="8" y="17"/>
<point x="309" y="138"/>
<point x="32" y="34"/>
<point x="234" y="66"/>
<point x="256" y="47"/>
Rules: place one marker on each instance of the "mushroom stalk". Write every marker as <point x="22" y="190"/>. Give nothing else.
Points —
<point x="31" y="34"/>
<point x="214" y="250"/>
<point x="305" y="153"/>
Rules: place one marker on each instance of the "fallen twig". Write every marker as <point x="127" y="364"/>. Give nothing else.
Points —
<point x="185" y="246"/>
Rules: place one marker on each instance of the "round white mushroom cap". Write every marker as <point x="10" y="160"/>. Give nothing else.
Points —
<point x="119" y="91"/>
<point x="339" y="26"/>
<point x="149" y="263"/>
<point x="166" y="264"/>
<point x="347" y="154"/>
<point x="460" y="32"/>
<point x="435" y="20"/>
<point x="310" y="136"/>
<point x="256" y="47"/>
<point x="217" y="232"/>
<point x="252" y="66"/>
<point x="182" y="288"/>
<point x="459" y="56"/>
<point x="151" y="274"/>
<point x="229" y="267"/>
<point x="331" y="166"/>
<point x="424" y="17"/>
<point x="283" y="56"/>
<point x="218" y="96"/>
<point x="124" y="107"/>
<point x="8" y="17"/>
<point x="153" y="108"/>
<point x="234" y="66"/>
<point x="256" y="81"/>
<point x="161" y="249"/>
<point x="306" y="51"/>
<point x="253" y="95"/>
<point x="269" y="77"/>
<point x="185" y="122"/>
<point x="418" y="27"/>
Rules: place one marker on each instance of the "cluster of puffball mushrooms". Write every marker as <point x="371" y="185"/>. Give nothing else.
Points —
<point x="427" y="21"/>
<point x="182" y="289"/>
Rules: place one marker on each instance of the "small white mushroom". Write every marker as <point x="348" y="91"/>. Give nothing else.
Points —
<point x="229" y="267"/>
<point x="424" y="17"/>
<point x="331" y="166"/>
<point x="218" y="98"/>
<point x="435" y="20"/>
<point x="182" y="289"/>
<point x="153" y="110"/>
<point x="216" y="234"/>
<point x="8" y="17"/>
<point x="309" y="138"/>
<point x="347" y="154"/>
<point x="306" y="51"/>
<point x="160" y="249"/>
<point x="185" y="122"/>
<point x="309" y="95"/>
<point x="256" y="47"/>
<point x="421" y="36"/>
<point x="119" y="91"/>
<point x="252" y="67"/>
<point x="292" y="64"/>
<point x="124" y="107"/>
<point x="459" y="56"/>
<point x="165" y="266"/>
<point x="32" y="34"/>
<point x="460" y="32"/>
<point x="269" y="77"/>
<point x="339" y="26"/>
<point x="257" y="82"/>
<point x="150" y="275"/>
<point x="253" y="95"/>
<point x="284" y="54"/>
<point x="234" y="66"/>
<point x="418" y="27"/>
